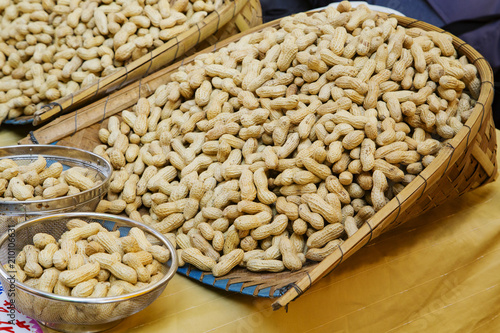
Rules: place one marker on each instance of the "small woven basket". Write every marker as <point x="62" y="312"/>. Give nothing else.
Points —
<point x="465" y="163"/>
<point x="233" y="17"/>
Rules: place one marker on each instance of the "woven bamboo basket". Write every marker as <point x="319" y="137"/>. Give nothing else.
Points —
<point x="233" y="17"/>
<point x="465" y="163"/>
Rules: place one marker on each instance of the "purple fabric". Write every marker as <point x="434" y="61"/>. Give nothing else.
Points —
<point x="417" y="9"/>
<point x="486" y="40"/>
<point x="459" y="10"/>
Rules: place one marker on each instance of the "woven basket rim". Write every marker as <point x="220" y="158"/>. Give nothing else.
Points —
<point x="427" y="177"/>
<point x="457" y="145"/>
<point x="417" y="187"/>
<point x="459" y="142"/>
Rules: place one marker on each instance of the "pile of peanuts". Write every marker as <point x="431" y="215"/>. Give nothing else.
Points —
<point x="36" y="181"/>
<point x="50" y="49"/>
<point x="275" y="149"/>
<point x="87" y="261"/>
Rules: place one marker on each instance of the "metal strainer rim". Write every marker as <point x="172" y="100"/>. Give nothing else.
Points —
<point x="102" y="160"/>
<point x="96" y="300"/>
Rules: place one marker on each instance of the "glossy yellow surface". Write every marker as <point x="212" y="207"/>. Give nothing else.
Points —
<point x="437" y="273"/>
<point x="9" y="135"/>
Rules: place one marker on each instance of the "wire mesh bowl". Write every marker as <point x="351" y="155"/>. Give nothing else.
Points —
<point x="75" y="314"/>
<point x="13" y="212"/>
<point x="465" y="163"/>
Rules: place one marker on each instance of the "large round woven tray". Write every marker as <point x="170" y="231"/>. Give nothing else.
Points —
<point x="465" y="163"/>
<point x="233" y="17"/>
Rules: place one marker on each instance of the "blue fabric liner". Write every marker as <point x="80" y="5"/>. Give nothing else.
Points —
<point x="210" y="280"/>
<point x="277" y="293"/>
<point x="108" y="225"/>
<point x="249" y="290"/>
<point x="124" y="231"/>
<point x="183" y="270"/>
<point x="221" y="284"/>
<point x="16" y="121"/>
<point x="236" y="287"/>
<point x="264" y="292"/>
<point x="195" y="274"/>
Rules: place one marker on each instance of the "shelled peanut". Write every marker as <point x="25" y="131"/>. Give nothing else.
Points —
<point x="273" y="150"/>
<point x="51" y="49"/>
<point x="89" y="261"/>
<point x="36" y="181"/>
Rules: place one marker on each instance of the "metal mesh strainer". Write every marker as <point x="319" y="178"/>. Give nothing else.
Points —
<point x="73" y="314"/>
<point x="13" y="212"/>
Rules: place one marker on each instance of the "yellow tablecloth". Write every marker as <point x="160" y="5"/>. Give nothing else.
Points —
<point x="437" y="273"/>
<point x="9" y="134"/>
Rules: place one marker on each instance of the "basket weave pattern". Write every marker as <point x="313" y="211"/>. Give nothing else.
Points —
<point x="465" y="163"/>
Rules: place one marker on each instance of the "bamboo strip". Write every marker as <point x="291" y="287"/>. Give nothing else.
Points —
<point x="383" y="220"/>
<point x="483" y="159"/>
